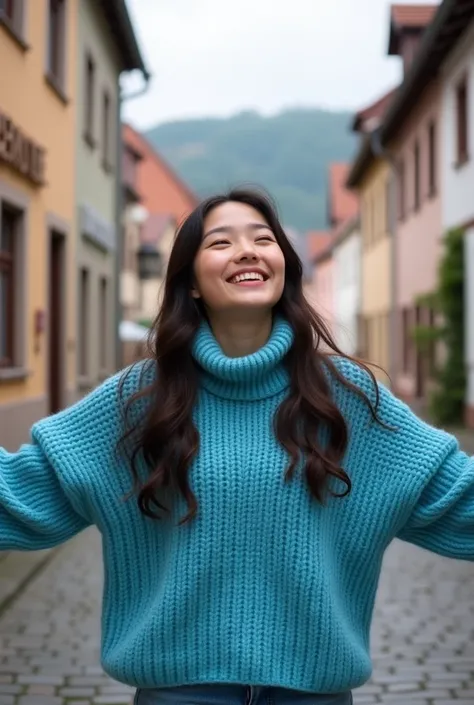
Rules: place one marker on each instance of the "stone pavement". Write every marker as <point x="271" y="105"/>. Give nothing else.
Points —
<point x="422" y="637"/>
<point x="422" y="643"/>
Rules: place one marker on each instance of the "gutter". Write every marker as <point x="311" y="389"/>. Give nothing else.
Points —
<point x="119" y="214"/>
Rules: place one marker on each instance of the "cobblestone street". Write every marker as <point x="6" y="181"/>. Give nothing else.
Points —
<point x="422" y="638"/>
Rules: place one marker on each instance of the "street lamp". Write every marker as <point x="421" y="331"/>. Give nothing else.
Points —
<point x="150" y="264"/>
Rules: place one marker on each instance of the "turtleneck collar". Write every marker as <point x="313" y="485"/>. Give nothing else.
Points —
<point x="257" y="376"/>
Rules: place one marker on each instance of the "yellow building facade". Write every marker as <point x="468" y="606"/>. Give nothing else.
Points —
<point x="37" y="208"/>
<point x="372" y="186"/>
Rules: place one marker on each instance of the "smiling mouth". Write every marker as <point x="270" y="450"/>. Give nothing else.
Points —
<point x="248" y="278"/>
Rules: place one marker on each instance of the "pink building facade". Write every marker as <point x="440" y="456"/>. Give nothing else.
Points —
<point x="418" y="241"/>
<point x="321" y="292"/>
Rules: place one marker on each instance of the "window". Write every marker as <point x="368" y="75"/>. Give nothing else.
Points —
<point x="11" y="14"/>
<point x="56" y="43"/>
<point x="462" y="122"/>
<point x="401" y="190"/>
<point x="106" y="131"/>
<point x="9" y="232"/>
<point x="405" y="339"/>
<point x="431" y="159"/>
<point x="416" y="176"/>
<point x="89" y="92"/>
<point x="103" y="323"/>
<point x="84" y="302"/>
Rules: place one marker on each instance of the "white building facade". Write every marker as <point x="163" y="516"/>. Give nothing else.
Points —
<point x="457" y="173"/>
<point x="347" y="286"/>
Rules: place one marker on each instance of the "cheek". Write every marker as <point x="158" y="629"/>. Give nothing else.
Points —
<point x="279" y="264"/>
<point x="206" y="271"/>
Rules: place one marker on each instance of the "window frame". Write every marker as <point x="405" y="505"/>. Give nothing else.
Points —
<point x="461" y="102"/>
<point x="14" y="22"/>
<point x="56" y="75"/>
<point x="15" y="366"/>
<point x="432" y="159"/>
<point x="90" y="90"/>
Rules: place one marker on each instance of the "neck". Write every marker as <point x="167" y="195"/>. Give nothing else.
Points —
<point x="241" y="337"/>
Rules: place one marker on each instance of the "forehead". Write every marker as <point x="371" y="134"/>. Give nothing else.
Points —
<point x="232" y="214"/>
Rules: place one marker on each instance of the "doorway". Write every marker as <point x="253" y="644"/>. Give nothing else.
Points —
<point x="56" y="311"/>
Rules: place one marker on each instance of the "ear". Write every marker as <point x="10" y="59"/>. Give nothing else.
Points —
<point x="195" y="293"/>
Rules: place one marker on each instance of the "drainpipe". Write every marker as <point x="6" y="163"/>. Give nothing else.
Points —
<point x="380" y="151"/>
<point x="119" y="216"/>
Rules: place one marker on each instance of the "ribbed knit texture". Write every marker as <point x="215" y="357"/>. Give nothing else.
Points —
<point x="265" y="587"/>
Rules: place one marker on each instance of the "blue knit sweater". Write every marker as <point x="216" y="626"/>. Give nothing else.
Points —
<point x="265" y="587"/>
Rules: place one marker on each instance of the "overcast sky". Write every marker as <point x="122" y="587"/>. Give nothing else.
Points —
<point x="218" y="57"/>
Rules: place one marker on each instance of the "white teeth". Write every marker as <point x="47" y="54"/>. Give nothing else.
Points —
<point x="256" y="276"/>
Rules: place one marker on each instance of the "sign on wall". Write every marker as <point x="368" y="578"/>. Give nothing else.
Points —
<point x="20" y="152"/>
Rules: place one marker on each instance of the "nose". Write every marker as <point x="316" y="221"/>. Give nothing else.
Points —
<point x="246" y="252"/>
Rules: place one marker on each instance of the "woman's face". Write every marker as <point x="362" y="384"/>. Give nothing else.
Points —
<point x="239" y="265"/>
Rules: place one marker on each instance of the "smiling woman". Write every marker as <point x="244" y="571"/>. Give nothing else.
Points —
<point x="245" y="480"/>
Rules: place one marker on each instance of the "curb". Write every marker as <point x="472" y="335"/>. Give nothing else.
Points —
<point x="17" y="570"/>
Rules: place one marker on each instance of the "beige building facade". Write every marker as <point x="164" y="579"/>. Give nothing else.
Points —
<point x="37" y="226"/>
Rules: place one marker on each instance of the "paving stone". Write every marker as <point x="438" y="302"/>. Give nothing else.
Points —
<point x="41" y="690"/>
<point x="466" y="694"/>
<point x="39" y="700"/>
<point x="94" y="681"/>
<point x="76" y="692"/>
<point x="403" y="687"/>
<point x="35" y="679"/>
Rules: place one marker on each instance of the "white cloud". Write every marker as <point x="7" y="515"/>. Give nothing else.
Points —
<point x="216" y="57"/>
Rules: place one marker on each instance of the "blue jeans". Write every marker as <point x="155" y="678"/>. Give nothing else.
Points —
<point x="235" y="695"/>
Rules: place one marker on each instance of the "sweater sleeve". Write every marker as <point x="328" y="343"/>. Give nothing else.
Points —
<point x="442" y="520"/>
<point x="429" y="473"/>
<point x="35" y="512"/>
<point x="47" y="488"/>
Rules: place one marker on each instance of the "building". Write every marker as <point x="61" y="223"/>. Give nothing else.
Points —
<point x="392" y="242"/>
<point x="161" y="189"/>
<point x="411" y="137"/>
<point x="456" y="22"/>
<point x="424" y="137"/>
<point x="155" y="201"/>
<point x="347" y="285"/>
<point x="158" y="233"/>
<point x="371" y="183"/>
<point x="107" y="47"/>
<point x="321" y="294"/>
<point x="342" y="206"/>
<point x="38" y="44"/>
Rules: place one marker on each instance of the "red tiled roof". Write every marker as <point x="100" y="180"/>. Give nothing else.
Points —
<point x="343" y="204"/>
<point x="412" y="16"/>
<point x="372" y="112"/>
<point x="162" y="190"/>
<point x="317" y="241"/>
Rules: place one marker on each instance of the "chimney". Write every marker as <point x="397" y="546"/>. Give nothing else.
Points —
<point x="407" y="25"/>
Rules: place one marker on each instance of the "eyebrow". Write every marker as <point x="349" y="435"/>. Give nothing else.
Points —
<point x="228" y="229"/>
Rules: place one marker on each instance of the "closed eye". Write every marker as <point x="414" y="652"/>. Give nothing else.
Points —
<point x="265" y="237"/>
<point x="219" y="242"/>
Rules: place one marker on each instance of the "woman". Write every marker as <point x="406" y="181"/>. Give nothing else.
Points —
<point x="246" y="483"/>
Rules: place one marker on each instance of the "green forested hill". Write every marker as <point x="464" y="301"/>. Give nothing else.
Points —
<point x="287" y="154"/>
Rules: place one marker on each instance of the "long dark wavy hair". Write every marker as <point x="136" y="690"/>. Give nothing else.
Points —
<point x="166" y="438"/>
